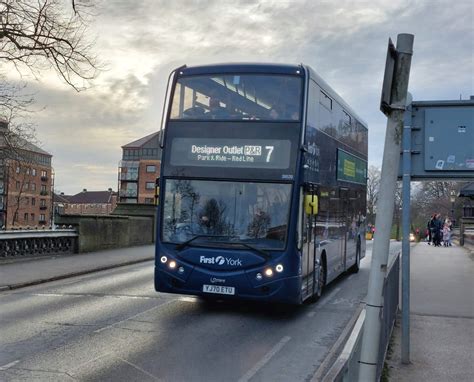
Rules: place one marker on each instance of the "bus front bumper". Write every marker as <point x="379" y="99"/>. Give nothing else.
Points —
<point x="281" y="289"/>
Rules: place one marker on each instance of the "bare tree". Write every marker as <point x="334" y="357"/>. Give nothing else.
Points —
<point x="373" y="186"/>
<point x="37" y="35"/>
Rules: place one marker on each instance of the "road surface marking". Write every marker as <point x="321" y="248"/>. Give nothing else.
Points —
<point x="9" y="365"/>
<point x="139" y="369"/>
<point x="185" y="299"/>
<point x="275" y="349"/>
<point x="129" y="318"/>
<point x="324" y="302"/>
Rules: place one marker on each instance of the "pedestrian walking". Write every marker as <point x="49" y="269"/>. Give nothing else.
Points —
<point x="449" y="224"/>
<point x="438" y="230"/>
<point x="430" y="229"/>
<point x="446" y="234"/>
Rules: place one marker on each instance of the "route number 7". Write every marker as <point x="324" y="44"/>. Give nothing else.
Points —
<point x="270" y="150"/>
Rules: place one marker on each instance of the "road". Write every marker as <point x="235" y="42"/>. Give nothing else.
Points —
<point x="112" y="325"/>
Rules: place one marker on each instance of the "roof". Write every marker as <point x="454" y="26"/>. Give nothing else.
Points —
<point x="58" y="198"/>
<point x="467" y="190"/>
<point x="140" y="142"/>
<point x="87" y="197"/>
<point x="15" y="141"/>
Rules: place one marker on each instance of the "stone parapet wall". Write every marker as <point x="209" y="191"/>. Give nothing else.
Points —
<point x="98" y="232"/>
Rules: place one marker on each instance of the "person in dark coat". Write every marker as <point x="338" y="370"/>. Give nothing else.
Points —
<point x="430" y="227"/>
<point x="438" y="230"/>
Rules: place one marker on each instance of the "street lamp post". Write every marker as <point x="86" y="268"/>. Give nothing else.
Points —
<point x="453" y="199"/>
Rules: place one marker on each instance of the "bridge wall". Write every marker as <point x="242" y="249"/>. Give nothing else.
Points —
<point x="106" y="232"/>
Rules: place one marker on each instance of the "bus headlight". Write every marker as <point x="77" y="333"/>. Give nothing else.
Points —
<point x="268" y="272"/>
<point x="279" y="268"/>
<point x="172" y="264"/>
<point x="164" y="259"/>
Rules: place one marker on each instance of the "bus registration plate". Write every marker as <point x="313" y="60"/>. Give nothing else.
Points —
<point x="218" y="289"/>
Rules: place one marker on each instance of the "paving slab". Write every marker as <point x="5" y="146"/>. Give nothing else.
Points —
<point x="441" y="317"/>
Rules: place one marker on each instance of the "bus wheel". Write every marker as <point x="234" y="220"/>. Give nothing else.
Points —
<point x="321" y="282"/>
<point x="355" y="268"/>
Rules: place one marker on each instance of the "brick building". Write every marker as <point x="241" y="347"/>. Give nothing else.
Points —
<point x="86" y="203"/>
<point x="138" y="170"/>
<point x="26" y="180"/>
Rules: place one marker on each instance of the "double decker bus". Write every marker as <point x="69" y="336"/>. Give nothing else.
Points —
<point x="263" y="184"/>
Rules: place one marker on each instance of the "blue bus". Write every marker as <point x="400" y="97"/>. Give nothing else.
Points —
<point x="263" y="184"/>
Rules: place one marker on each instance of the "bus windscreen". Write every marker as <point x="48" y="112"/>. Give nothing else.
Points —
<point x="237" y="97"/>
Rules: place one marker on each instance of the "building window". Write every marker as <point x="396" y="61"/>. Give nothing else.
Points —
<point x="42" y="218"/>
<point x="17" y="185"/>
<point x="33" y="186"/>
<point x="25" y="217"/>
<point x="33" y="172"/>
<point x="149" y="200"/>
<point x="150" y="185"/>
<point x="44" y="173"/>
<point x="43" y="188"/>
<point x="32" y="217"/>
<point x="27" y="171"/>
<point x="43" y="202"/>
<point x="17" y="169"/>
<point x="27" y="185"/>
<point x="33" y="201"/>
<point x="151" y="168"/>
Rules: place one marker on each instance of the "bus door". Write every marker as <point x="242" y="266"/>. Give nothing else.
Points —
<point x="309" y="245"/>
<point x="350" y="229"/>
<point x="344" y="205"/>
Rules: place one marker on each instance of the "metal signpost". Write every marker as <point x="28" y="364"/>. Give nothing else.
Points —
<point x="438" y="144"/>
<point x="393" y="104"/>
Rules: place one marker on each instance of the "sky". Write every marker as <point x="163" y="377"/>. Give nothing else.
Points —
<point x="140" y="42"/>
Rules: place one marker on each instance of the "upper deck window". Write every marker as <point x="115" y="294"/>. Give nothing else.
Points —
<point x="325" y="100"/>
<point x="238" y="97"/>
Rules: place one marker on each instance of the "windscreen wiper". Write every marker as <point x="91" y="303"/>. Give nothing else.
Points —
<point x="186" y="243"/>
<point x="264" y="254"/>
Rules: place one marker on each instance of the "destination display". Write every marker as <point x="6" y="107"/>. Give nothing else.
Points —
<point x="225" y="152"/>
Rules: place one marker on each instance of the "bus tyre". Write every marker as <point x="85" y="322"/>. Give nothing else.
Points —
<point x="355" y="268"/>
<point x="321" y="281"/>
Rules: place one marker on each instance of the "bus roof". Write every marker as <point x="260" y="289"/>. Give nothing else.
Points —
<point x="242" y="67"/>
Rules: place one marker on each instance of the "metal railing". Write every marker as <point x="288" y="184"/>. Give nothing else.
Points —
<point x="34" y="243"/>
<point x="346" y="367"/>
<point x="466" y="230"/>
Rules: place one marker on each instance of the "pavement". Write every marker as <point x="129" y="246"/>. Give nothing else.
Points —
<point x="18" y="273"/>
<point x="441" y="317"/>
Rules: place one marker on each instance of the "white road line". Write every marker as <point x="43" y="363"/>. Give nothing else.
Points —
<point x="129" y="318"/>
<point x="81" y="366"/>
<point x="275" y="349"/>
<point x="9" y="365"/>
<point x="184" y="299"/>
<point x="139" y="369"/>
